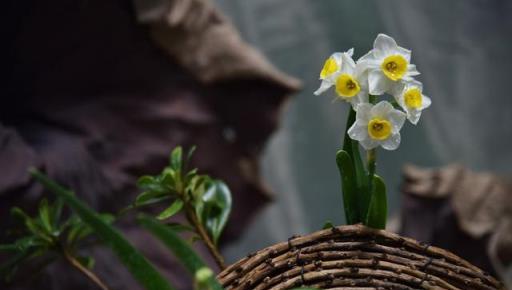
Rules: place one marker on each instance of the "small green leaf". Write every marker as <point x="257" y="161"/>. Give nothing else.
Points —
<point x="349" y="187"/>
<point x="145" y="203"/>
<point x="191" y="152"/>
<point x="86" y="261"/>
<point x="173" y="209"/>
<point x="328" y="225"/>
<point x="45" y="216"/>
<point x="185" y="254"/>
<point x="142" y="270"/>
<point x="214" y="208"/>
<point x="57" y="211"/>
<point x="31" y="224"/>
<point x="176" y="158"/>
<point x="146" y="196"/>
<point x="169" y="179"/>
<point x="190" y="175"/>
<point x="19" y="214"/>
<point x="145" y="181"/>
<point x="78" y="232"/>
<point x="196" y="186"/>
<point x="151" y="184"/>
<point x="378" y="209"/>
<point x="26" y="243"/>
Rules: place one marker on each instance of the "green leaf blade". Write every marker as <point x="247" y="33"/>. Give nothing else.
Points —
<point x="185" y="254"/>
<point x="176" y="158"/>
<point x="45" y="216"/>
<point x="352" y="148"/>
<point x="378" y="209"/>
<point x="173" y="209"/>
<point x="349" y="187"/>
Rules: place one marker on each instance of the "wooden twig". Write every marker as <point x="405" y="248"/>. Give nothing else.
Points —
<point x="88" y="273"/>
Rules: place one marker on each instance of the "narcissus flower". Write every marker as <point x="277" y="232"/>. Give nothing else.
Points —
<point x="351" y="86"/>
<point x="376" y="125"/>
<point x="387" y="65"/>
<point x="412" y="100"/>
<point x="331" y="70"/>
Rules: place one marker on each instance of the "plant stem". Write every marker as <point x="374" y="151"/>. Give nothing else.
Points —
<point x="371" y="158"/>
<point x="352" y="148"/>
<point x="191" y="215"/>
<point x="88" y="273"/>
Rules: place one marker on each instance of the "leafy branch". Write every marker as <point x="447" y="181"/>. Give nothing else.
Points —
<point x="48" y="233"/>
<point x="206" y="202"/>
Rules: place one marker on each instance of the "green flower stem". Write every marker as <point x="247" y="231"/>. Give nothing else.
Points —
<point x="371" y="159"/>
<point x="201" y="231"/>
<point x="352" y="148"/>
<point x="86" y="272"/>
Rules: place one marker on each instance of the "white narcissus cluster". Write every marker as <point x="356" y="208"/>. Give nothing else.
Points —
<point x="386" y="69"/>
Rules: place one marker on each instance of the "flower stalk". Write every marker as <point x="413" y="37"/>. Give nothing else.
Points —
<point x="70" y="258"/>
<point x="201" y="231"/>
<point x="371" y="159"/>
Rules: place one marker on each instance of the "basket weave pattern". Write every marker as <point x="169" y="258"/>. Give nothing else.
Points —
<point x="354" y="257"/>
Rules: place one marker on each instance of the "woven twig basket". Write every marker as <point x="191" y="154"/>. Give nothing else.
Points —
<point x="354" y="257"/>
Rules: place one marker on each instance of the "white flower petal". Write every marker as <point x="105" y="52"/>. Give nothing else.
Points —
<point x="392" y="142"/>
<point x="415" y="84"/>
<point x="405" y="53"/>
<point x="361" y="97"/>
<point x="426" y="102"/>
<point x="398" y="90"/>
<point x="367" y="57"/>
<point x="397" y="119"/>
<point x="337" y="58"/>
<point x="348" y="66"/>
<point x="412" y="71"/>
<point x="378" y="83"/>
<point x="358" y="132"/>
<point x="369" y="143"/>
<point x="414" y="116"/>
<point x="381" y="109"/>
<point x="350" y="52"/>
<point x="384" y="46"/>
<point x="324" y="86"/>
<point x="363" y="113"/>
